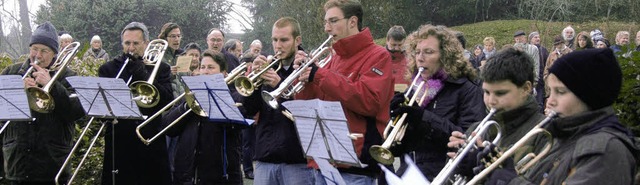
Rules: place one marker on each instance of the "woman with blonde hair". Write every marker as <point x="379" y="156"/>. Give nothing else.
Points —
<point x="453" y="100"/>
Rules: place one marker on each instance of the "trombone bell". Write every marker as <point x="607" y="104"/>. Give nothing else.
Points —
<point x="145" y="94"/>
<point x="39" y="100"/>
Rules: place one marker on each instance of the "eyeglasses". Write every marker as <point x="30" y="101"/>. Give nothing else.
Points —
<point x="175" y="36"/>
<point x="333" y="21"/>
<point x="41" y="50"/>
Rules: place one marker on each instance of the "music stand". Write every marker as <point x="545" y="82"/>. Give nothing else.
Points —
<point x="324" y="135"/>
<point x="13" y="99"/>
<point x="214" y="97"/>
<point x="105" y="97"/>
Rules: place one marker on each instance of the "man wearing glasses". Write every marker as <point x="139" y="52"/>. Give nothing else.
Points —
<point x="359" y="76"/>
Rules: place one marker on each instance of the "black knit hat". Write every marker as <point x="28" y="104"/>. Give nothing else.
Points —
<point x="46" y="34"/>
<point x="593" y="75"/>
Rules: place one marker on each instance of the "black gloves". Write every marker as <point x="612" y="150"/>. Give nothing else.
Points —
<point x="414" y="113"/>
<point x="489" y="154"/>
<point x="398" y="99"/>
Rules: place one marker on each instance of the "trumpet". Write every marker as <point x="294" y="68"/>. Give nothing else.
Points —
<point x="247" y="84"/>
<point x="193" y="105"/>
<point x="145" y="94"/>
<point x="236" y="73"/>
<point x="287" y="89"/>
<point x="524" y="164"/>
<point x="381" y="153"/>
<point x="39" y="98"/>
<point x="451" y="165"/>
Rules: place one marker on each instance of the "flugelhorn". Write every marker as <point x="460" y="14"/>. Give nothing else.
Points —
<point x="522" y="166"/>
<point x="193" y="105"/>
<point x="452" y="164"/>
<point x="247" y="84"/>
<point x="145" y="94"/>
<point x="39" y="98"/>
<point x="287" y="88"/>
<point x="381" y="153"/>
<point x="236" y="73"/>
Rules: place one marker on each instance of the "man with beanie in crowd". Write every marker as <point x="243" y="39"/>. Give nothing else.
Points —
<point x="534" y="39"/>
<point x="559" y="50"/>
<point x="590" y="145"/>
<point x="35" y="150"/>
<point x="126" y="159"/>
<point x="96" y="51"/>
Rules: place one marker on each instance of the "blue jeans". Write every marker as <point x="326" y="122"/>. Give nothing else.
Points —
<point x="349" y="178"/>
<point x="282" y="174"/>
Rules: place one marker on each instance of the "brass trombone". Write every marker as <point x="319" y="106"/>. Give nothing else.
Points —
<point x="450" y="167"/>
<point x="381" y="153"/>
<point x="193" y="105"/>
<point x="39" y="98"/>
<point x="67" y="161"/>
<point x="236" y="73"/>
<point x="247" y="84"/>
<point x="287" y="88"/>
<point x="145" y="94"/>
<point x="525" y="163"/>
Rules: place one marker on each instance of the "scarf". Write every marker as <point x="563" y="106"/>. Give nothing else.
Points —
<point x="433" y="85"/>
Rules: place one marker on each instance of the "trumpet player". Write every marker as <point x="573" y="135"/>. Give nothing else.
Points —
<point x="279" y="155"/>
<point x="126" y="159"/>
<point x="590" y="144"/>
<point x="210" y="149"/>
<point x="507" y="82"/>
<point x="35" y="150"/>
<point x="359" y="76"/>
<point x="453" y="100"/>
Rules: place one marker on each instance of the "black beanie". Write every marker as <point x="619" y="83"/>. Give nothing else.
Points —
<point x="47" y="35"/>
<point x="593" y="75"/>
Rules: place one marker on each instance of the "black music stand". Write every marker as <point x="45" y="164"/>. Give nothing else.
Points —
<point x="13" y="99"/>
<point x="214" y="97"/>
<point x="324" y="135"/>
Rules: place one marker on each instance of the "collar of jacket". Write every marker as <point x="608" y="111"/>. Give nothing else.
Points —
<point x="577" y="125"/>
<point x="512" y="119"/>
<point x="349" y="46"/>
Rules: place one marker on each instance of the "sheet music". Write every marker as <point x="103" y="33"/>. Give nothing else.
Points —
<point x="116" y="93"/>
<point x="330" y="174"/>
<point x="310" y="115"/>
<point x="214" y="97"/>
<point x="13" y="99"/>
<point x="411" y="176"/>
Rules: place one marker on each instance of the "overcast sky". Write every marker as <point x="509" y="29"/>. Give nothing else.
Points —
<point x="9" y="13"/>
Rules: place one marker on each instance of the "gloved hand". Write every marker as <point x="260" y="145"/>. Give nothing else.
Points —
<point x="414" y="113"/>
<point x="312" y="73"/>
<point x="135" y="64"/>
<point x="398" y="99"/>
<point x="501" y="175"/>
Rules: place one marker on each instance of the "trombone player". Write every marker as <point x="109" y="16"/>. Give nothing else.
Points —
<point x="127" y="159"/>
<point x="507" y="85"/>
<point x="591" y="145"/>
<point x="34" y="150"/>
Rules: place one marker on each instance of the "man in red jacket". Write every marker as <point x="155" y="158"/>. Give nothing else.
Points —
<point x="359" y="76"/>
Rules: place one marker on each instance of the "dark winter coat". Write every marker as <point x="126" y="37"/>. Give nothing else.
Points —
<point x="589" y="148"/>
<point x="458" y="105"/>
<point x="135" y="162"/>
<point x="35" y="150"/>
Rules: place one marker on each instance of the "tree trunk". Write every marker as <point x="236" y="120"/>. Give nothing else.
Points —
<point x="26" y="26"/>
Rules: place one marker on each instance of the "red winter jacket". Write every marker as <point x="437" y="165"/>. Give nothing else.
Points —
<point x="359" y="76"/>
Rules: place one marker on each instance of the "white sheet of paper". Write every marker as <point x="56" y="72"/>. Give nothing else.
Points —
<point x="116" y="92"/>
<point x="331" y="174"/>
<point x="214" y="97"/>
<point x="411" y="176"/>
<point x="13" y="99"/>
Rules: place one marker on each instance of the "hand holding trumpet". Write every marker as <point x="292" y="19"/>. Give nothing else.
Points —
<point x="270" y="77"/>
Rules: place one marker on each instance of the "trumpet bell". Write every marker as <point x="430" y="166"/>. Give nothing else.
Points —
<point x="271" y="100"/>
<point x="40" y="100"/>
<point x="244" y="86"/>
<point x="381" y="154"/>
<point x="146" y="95"/>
